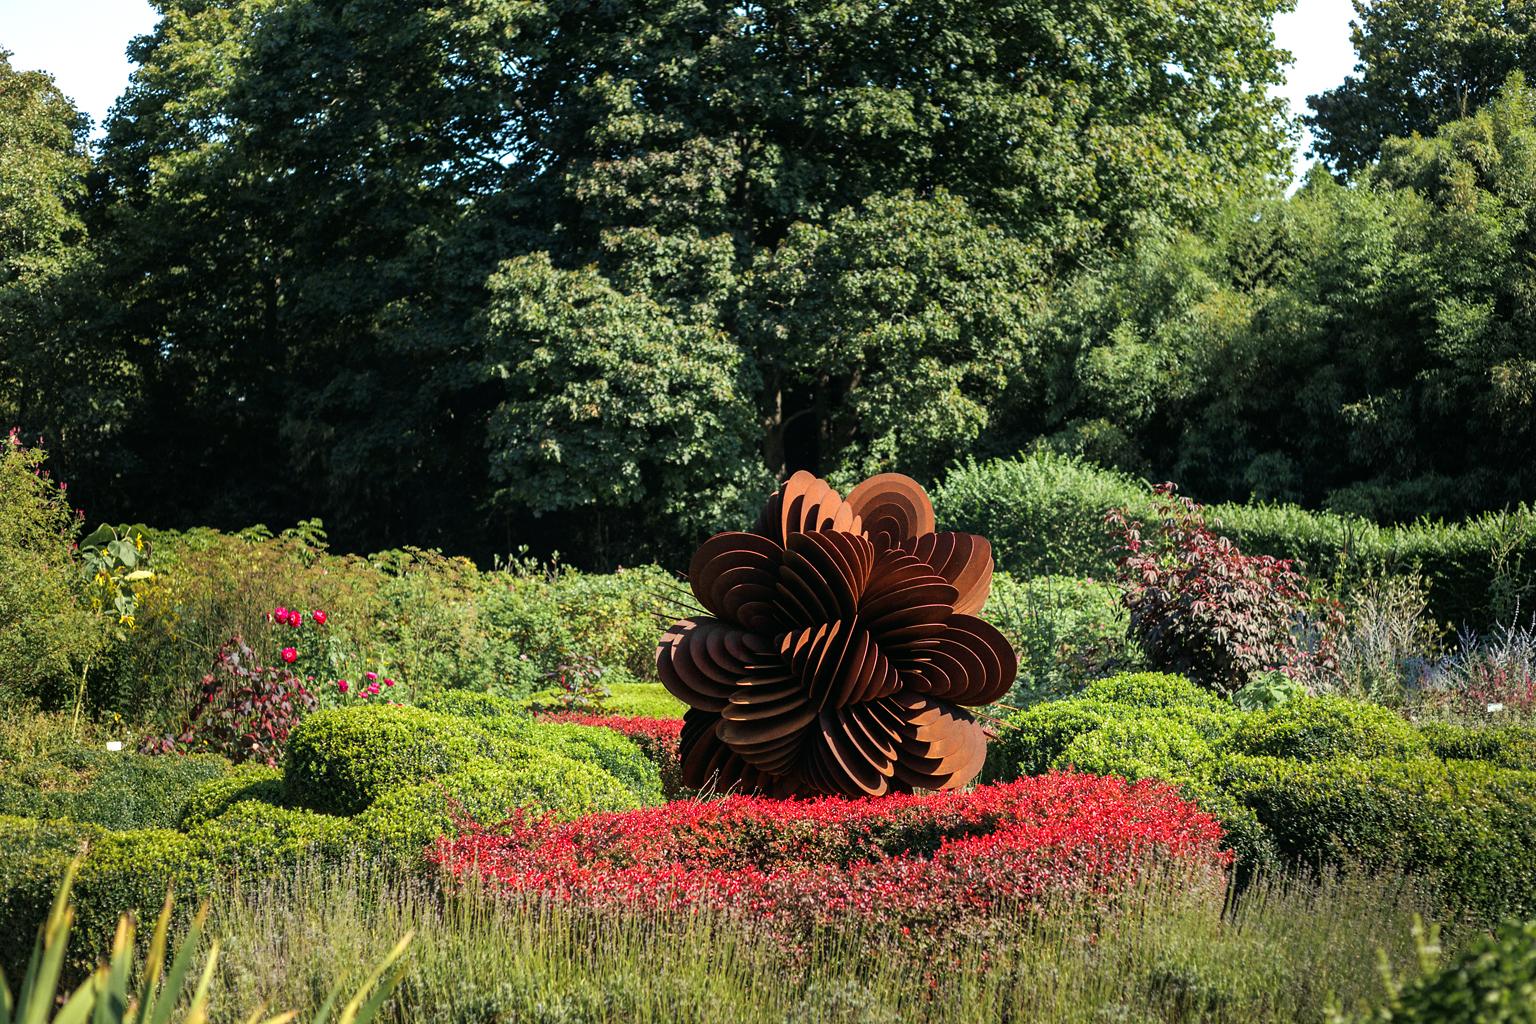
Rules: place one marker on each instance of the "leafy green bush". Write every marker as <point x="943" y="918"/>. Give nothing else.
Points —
<point x="468" y="704"/>
<point x="642" y="700"/>
<point x="402" y="822"/>
<point x="1508" y="746"/>
<point x="48" y="631"/>
<point x="1317" y="728"/>
<point x="1146" y="748"/>
<point x="606" y="749"/>
<point x="1316" y="781"/>
<point x="122" y="871"/>
<point x="251" y="836"/>
<point x="118" y="790"/>
<point x="214" y="797"/>
<point x="1491" y="981"/>
<point x="1154" y="690"/>
<point x="340" y="760"/>
<point x="1469" y="828"/>
<point x="1044" y="514"/>
<point x="1035" y="740"/>
<point x="1066" y="631"/>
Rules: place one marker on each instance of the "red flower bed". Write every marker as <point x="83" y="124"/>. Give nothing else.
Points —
<point x="657" y="738"/>
<point x="914" y="861"/>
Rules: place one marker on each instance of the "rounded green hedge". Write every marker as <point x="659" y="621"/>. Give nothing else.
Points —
<point x="1508" y="746"/>
<point x="245" y="782"/>
<point x="342" y="759"/>
<point x="1144" y="748"/>
<point x="1467" y="827"/>
<point x="406" y="820"/>
<point x="114" y="789"/>
<point x="251" y="836"/>
<point x="1315" y="728"/>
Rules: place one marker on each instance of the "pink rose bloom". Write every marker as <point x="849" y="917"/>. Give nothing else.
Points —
<point x="295" y="618"/>
<point x="388" y="681"/>
<point x="290" y="655"/>
<point x="319" y="617"/>
<point x="279" y="614"/>
<point x="371" y="676"/>
<point x="341" y="684"/>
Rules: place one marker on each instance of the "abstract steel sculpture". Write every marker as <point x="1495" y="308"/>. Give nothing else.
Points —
<point x="841" y="636"/>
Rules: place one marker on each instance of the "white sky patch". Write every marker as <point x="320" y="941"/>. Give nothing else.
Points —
<point x="1317" y="34"/>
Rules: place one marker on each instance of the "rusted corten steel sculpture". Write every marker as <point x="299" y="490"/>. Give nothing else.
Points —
<point x="840" y="641"/>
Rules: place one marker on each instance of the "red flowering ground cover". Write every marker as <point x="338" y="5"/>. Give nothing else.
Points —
<point x="657" y="738"/>
<point x="920" y="862"/>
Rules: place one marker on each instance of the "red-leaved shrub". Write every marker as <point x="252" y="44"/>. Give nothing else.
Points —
<point x="916" y="863"/>
<point x="657" y="738"/>
<point x="1201" y="608"/>
<point x="245" y="710"/>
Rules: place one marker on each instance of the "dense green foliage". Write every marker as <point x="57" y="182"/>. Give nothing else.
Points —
<point x="361" y="784"/>
<point x="1316" y="781"/>
<point x="603" y="273"/>
<point x="48" y="631"/>
<point x="1492" y="981"/>
<point x="1044" y="515"/>
<point x="1420" y="64"/>
<point x="1362" y="348"/>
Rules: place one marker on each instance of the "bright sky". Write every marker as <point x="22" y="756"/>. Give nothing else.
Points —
<point x="81" y="43"/>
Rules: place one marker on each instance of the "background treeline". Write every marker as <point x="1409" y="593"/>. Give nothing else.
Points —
<point x="591" y="277"/>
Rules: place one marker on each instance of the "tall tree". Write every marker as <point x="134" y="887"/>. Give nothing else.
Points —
<point x="1421" y="64"/>
<point x="304" y="202"/>
<point x="55" y="376"/>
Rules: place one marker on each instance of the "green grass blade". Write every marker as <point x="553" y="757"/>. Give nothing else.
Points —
<point x="155" y="961"/>
<point x="112" y="1006"/>
<point x="79" y="1006"/>
<point x="55" y="930"/>
<point x="170" y="992"/>
<point x="40" y="999"/>
<point x="349" y="1013"/>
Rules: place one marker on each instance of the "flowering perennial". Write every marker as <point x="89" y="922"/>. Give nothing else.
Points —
<point x="913" y="861"/>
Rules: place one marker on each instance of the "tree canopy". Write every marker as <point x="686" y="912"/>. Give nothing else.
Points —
<point x="370" y="261"/>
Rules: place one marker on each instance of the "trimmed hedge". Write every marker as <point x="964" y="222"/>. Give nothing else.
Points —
<point x="1508" y="746"/>
<point x="642" y="700"/>
<point x="1470" y="827"/>
<point x="214" y="797"/>
<point x="1318" y="780"/>
<point x="1044" y="515"/>
<point x="251" y="836"/>
<point x="118" y="790"/>
<point x="1316" y="728"/>
<point x="407" y="820"/>
<point x="128" y="870"/>
<point x="1035" y="741"/>
<point x="342" y="759"/>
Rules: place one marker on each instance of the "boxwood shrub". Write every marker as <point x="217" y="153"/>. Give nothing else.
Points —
<point x="1315" y="781"/>
<point x="342" y="759"/>
<point x="1508" y="746"/>
<point x="1044" y="514"/>
<point x="1470" y="828"/>
<point x="1315" y="728"/>
<point x="401" y="823"/>
<point x="115" y="789"/>
<point x="245" y="782"/>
